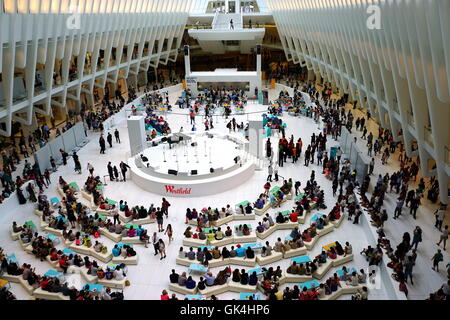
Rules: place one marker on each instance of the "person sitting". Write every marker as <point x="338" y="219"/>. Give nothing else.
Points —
<point x="225" y="253"/>
<point x="293" y="268"/>
<point x="236" y="276"/>
<point x="201" y="284"/>
<point x="332" y="254"/>
<point x="209" y="279"/>
<point x="260" y="228"/>
<point x="253" y="279"/>
<point x="228" y="232"/>
<point x="240" y="251"/>
<point x="182" y="280"/>
<point x="233" y="252"/>
<point x="246" y="230"/>
<point x="200" y="255"/>
<point x="216" y="253"/>
<point x="293" y="216"/>
<point x="116" y="251"/>
<point x="352" y="280"/>
<point x="188" y="232"/>
<point x="191" y="254"/>
<point x="348" y="249"/>
<point x="280" y="218"/>
<point x="219" y="234"/>
<point x="339" y="250"/>
<point x="266" y="250"/>
<point x="244" y="277"/>
<point x="322" y="258"/>
<point x="249" y="253"/>
<point x="248" y="209"/>
<point x="190" y="283"/>
<point x="295" y="234"/>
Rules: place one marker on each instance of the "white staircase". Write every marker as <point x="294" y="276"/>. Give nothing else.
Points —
<point x="258" y="162"/>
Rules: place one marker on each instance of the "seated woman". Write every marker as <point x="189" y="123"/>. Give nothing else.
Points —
<point x="320" y="223"/>
<point x="249" y="253"/>
<point x="216" y="253"/>
<point x="244" y="277"/>
<point x="293" y="268"/>
<point x="182" y="280"/>
<point x="253" y="279"/>
<point x="228" y="232"/>
<point x="131" y="232"/>
<point x="236" y="277"/>
<point x="16" y="228"/>
<point x="248" y="209"/>
<point x="339" y="250"/>
<point x="302" y="269"/>
<point x="190" y="283"/>
<point x="246" y="230"/>
<point x="322" y="258"/>
<point x="332" y="254"/>
<point x="188" y="232"/>
<point x="219" y="234"/>
<point x="306" y="236"/>
<point x="201" y="284"/>
<point x="240" y="210"/>
<point x="225" y="253"/>
<point x="335" y="283"/>
<point x="295" y="234"/>
<point x="280" y="218"/>
<point x="260" y="228"/>
<point x="116" y="251"/>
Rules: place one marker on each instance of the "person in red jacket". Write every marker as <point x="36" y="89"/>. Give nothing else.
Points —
<point x="293" y="216"/>
<point x="63" y="264"/>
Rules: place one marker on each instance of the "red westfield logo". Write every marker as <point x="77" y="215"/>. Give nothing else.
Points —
<point x="171" y="189"/>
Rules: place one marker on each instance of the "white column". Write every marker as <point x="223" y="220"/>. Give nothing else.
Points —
<point x="227" y="6"/>
<point x="255" y="137"/>
<point x="258" y="66"/>
<point x="137" y="135"/>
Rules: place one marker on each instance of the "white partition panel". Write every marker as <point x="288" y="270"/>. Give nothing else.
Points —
<point x="55" y="145"/>
<point x="69" y="140"/>
<point x="42" y="158"/>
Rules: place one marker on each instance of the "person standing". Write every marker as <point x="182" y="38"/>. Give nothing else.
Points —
<point x="165" y="207"/>
<point x="415" y="203"/>
<point x="155" y="241"/>
<point x="231" y="24"/>
<point x="110" y="171"/>
<point x="117" y="136"/>
<point x="160" y="219"/>
<point x="417" y="237"/>
<point x="270" y="169"/>
<point x="102" y="144"/>
<point x="169" y="233"/>
<point x="444" y="237"/>
<point x="398" y="208"/>
<point x="116" y="173"/>
<point x="437" y="258"/>
<point x="440" y="214"/>
<point x="124" y="168"/>
<point x="275" y="170"/>
<point x="64" y="155"/>
<point x="90" y="168"/>
<point x="109" y="138"/>
<point x="371" y="166"/>
<point x="162" y="249"/>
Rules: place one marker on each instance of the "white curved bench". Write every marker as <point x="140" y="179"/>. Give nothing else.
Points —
<point x="242" y="261"/>
<point x="326" y="229"/>
<point x="128" y="260"/>
<point x="88" y="277"/>
<point x="264" y="209"/>
<point x="214" y="290"/>
<point x="295" y="252"/>
<point x="237" y="287"/>
<point x="183" y="290"/>
<point x="118" y="284"/>
<point x="274" y="257"/>
<point x="266" y="232"/>
<point x="110" y="235"/>
<point x="42" y="294"/>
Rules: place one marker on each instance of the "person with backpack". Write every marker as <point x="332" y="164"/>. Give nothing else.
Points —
<point x="437" y="258"/>
<point x="417" y="237"/>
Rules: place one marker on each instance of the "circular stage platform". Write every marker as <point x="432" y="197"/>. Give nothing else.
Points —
<point x="192" y="165"/>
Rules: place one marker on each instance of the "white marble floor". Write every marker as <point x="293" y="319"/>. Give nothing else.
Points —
<point x="151" y="275"/>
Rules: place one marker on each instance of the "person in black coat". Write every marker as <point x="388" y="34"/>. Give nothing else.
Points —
<point x="109" y="138"/>
<point x="102" y="143"/>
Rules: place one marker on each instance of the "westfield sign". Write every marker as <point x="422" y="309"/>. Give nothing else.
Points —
<point x="172" y="190"/>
